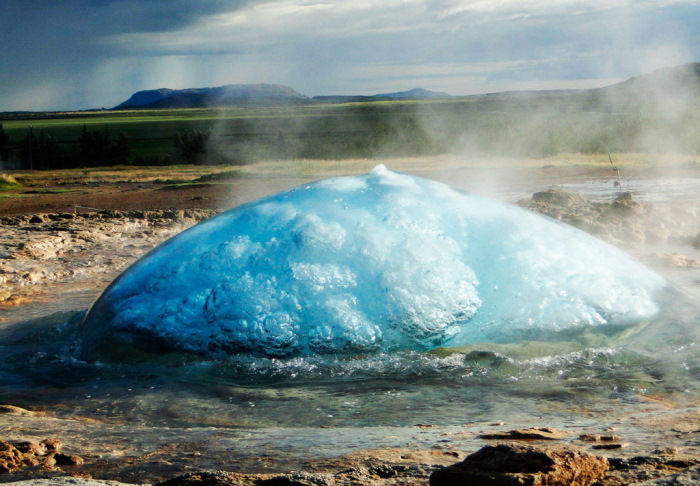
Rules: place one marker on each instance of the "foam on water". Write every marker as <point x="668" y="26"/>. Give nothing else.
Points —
<point x="376" y="262"/>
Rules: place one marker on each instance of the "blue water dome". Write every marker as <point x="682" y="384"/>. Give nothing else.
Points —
<point x="376" y="262"/>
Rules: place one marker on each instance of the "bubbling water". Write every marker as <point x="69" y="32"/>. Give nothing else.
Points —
<point x="372" y="263"/>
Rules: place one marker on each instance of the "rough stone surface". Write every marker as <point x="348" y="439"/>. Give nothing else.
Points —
<point x="56" y="249"/>
<point x="598" y="438"/>
<point x="623" y="220"/>
<point x="12" y="410"/>
<point x="378" y="474"/>
<point x="212" y="478"/>
<point x="688" y="477"/>
<point x="69" y="481"/>
<point x="515" y="464"/>
<point x="18" y="455"/>
<point x="534" y="433"/>
<point x="642" y="469"/>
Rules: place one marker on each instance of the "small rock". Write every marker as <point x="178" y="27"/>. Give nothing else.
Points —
<point x="670" y="451"/>
<point x="52" y="445"/>
<point x="598" y="438"/>
<point x="533" y="433"/>
<point x="517" y="465"/>
<point x="30" y="447"/>
<point x="615" y="445"/>
<point x="677" y="260"/>
<point x="67" y="459"/>
<point x="559" y="197"/>
<point x="14" y="301"/>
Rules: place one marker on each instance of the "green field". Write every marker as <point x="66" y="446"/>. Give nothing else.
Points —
<point x="513" y="126"/>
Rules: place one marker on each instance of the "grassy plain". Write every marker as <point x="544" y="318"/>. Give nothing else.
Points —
<point x="474" y="125"/>
<point x="308" y="169"/>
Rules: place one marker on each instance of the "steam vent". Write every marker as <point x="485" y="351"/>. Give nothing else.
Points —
<point x="377" y="262"/>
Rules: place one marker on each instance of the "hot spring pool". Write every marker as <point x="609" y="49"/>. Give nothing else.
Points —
<point x="366" y="305"/>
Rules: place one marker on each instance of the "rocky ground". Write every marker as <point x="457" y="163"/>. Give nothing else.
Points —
<point x="45" y="253"/>
<point x="41" y="252"/>
<point x="622" y="221"/>
<point x="536" y="456"/>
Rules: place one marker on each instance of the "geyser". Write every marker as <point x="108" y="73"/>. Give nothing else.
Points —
<point x="375" y="262"/>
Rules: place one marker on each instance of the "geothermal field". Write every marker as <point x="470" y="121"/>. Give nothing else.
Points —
<point x="356" y="321"/>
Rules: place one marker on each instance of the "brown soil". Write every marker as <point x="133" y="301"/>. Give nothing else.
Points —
<point x="158" y="188"/>
<point x="117" y="196"/>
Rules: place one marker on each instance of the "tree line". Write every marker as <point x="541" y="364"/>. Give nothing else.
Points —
<point x="94" y="148"/>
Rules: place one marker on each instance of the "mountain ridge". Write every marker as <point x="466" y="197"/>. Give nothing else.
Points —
<point x="210" y="97"/>
<point x="675" y="84"/>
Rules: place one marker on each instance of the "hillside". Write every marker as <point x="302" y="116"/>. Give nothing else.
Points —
<point x="210" y="97"/>
<point x="667" y="89"/>
<point x="235" y="94"/>
<point x="416" y="93"/>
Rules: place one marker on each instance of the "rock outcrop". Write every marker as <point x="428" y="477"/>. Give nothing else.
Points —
<point x="518" y="465"/>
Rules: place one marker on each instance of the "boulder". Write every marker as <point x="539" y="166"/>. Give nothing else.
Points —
<point x="519" y="465"/>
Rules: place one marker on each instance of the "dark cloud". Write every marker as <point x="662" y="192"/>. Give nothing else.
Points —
<point x="89" y="53"/>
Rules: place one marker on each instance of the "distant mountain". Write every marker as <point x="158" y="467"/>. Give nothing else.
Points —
<point x="670" y="90"/>
<point x="344" y="99"/>
<point x="208" y="97"/>
<point x="416" y="94"/>
<point x="672" y="87"/>
<point x="685" y="76"/>
<point x="667" y="89"/>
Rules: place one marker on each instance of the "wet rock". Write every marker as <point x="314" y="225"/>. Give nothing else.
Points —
<point x="650" y="470"/>
<point x="61" y="249"/>
<point x="611" y="446"/>
<point x="52" y="445"/>
<point x="67" y="459"/>
<point x="676" y="260"/>
<point x="598" y="438"/>
<point x="378" y="474"/>
<point x="69" y="481"/>
<point x="515" y="464"/>
<point x="30" y="448"/>
<point x="17" y="455"/>
<point x="43" y="248"/>
<point x="299" y="479"/>
<point x="560" y="197"/>
<point x="11" y="459"/>
<point x="688" y="477"/>
<point x="534" y="433"/>
<point x="625" y="204"/>
<point x="61" y="216"/>
<point x="12" y="410"/>
<point x="213" y="478"/>
<point x="622" y="220"/>
<point x="14" y="301"/>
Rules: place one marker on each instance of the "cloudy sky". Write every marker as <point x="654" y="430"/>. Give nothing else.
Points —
<point x="78" y="54"/>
